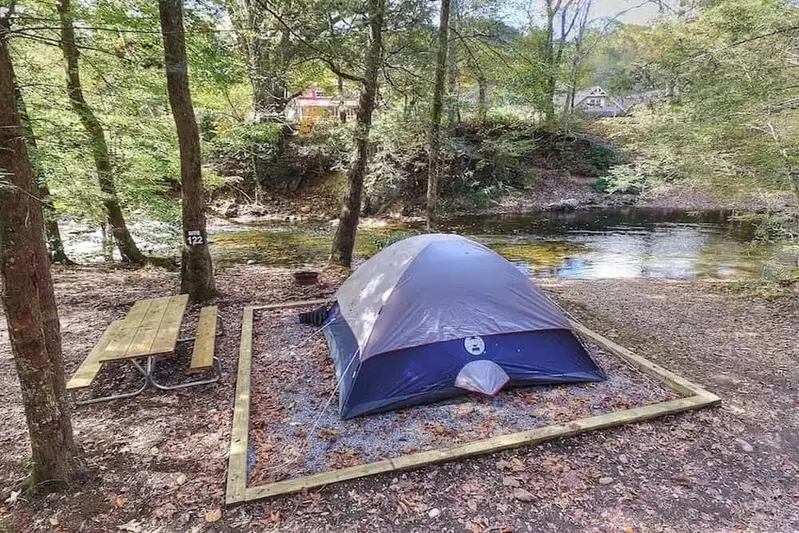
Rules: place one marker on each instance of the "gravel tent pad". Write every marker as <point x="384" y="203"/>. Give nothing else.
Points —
<point x="295" y="428"/>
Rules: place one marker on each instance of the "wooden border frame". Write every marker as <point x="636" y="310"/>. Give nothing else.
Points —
<point x="695" y="397"/>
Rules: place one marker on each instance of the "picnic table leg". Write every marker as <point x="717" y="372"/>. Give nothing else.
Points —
<point x="120" y="396"/>
<point x="217" y="373"/>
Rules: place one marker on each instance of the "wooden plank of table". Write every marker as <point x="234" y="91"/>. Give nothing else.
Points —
<point x="123" y="336"/>
<point x="86" y="373"/>
<point x="166" y="337"/>
<point x="202" y="357"/>
<point x="149" y="326"/>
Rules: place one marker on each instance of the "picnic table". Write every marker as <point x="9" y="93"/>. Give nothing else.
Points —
<point x="148" y="333"/>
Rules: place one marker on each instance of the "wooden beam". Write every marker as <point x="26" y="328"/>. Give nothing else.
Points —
<point x="494" y="444"/>
<point x="239" y="433"/>
<point x="120" y="341"/>
<point x="672" y="380"/>
<point x="237" y="491"/>
<point x="86" y="373"/>
<point x="167" y="335"/>
<point x="145" y="334"/>
<point x="295" y="303"/>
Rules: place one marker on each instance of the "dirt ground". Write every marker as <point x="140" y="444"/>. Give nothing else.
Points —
<point x="158" y="462"/>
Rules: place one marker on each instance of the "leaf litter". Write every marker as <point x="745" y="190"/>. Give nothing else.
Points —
<point x="676" y="474"/>
<point x="296" y="429"/>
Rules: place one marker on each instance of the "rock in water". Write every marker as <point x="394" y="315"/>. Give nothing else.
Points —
<point x="569" y="204"/>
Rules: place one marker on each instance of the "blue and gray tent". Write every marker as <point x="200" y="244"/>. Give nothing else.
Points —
<point x="435" y="316"/>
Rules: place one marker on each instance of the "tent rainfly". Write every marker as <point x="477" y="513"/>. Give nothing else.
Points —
<point x="434" y="316"/>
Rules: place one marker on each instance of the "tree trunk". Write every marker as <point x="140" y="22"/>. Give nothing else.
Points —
<point x="435" y="123"/>
<point x="453" y="74"/>
<point x="196" y="270"/>
<point x="342" y="109"/>
<point x="102" y="160"/>
<point x="344" y="240"/>
<point x="28" y="297"/>
<point x="54" y="243"/>
<point x="568" y="106"/>
<point x="583" y="8"/>
<point x="482" y="99"/>
<point x="549" y="62"/>
<point x="106" y="243"/>
<point x="267" y="65"/>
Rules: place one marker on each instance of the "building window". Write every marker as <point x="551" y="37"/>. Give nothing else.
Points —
<point x="593" y="102"/>
<point x="319" y="93"/>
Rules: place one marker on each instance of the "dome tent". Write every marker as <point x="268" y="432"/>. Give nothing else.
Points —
<point x="434" y="316"/>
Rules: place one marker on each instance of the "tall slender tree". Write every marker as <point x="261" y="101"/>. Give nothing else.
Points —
<point x="28" y="297"/>
<point x="54" y="243"/>
<point x="579" y="53"/>
<point x="344" y="240"/>
<point x="453" y="67"/>
<point x="102" y="158"/>
<point x="433" y="168"/>
<point x="196" y="269"/>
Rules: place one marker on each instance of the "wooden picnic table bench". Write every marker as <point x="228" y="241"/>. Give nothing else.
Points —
<point x="149" y="332"/>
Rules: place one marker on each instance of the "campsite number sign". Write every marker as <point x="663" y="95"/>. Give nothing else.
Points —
<point x="195" y="237"/>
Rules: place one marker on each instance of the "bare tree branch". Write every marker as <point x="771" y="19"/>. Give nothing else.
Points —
<point x="323" y="56"/>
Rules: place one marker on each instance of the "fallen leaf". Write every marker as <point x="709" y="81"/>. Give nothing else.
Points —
<point x="181" y="479"/>
<point x="502" y="464"/>
<point x="523" y="495"/>
<point x="165" y="510"/>
<point x="133" y="526"/>
<point x="683" y="480"/>
<point x="213" y="516"/>
<point x="275" y="516"/>
<point x="510" y="481"/>
<point x="54" y="521"/>
<point x="472" y="504"/>
<point x="119" y="501"/>
<point x="12" y="499"/>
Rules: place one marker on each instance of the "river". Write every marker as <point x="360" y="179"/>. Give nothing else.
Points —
<point x="591" y="244"/>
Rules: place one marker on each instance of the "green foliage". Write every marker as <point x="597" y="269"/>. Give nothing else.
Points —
<point x="774" y="227"/>
<point x="726" y="117"/>
<point x="384" y="241"/>
<point x="603" y="157"/>
<point x="728" y="121"/>
<point x="122" y="75"/>
<point x="240" y="140"/>
<point x="775" y="283"/>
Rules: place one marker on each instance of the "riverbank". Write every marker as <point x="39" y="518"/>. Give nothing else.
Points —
<point x="157" y="463"/>
<point x="552" y="192"/>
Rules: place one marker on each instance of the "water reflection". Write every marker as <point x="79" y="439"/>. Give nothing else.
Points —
<point x="626" y="243"/>
<point x="623" y="243"/>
